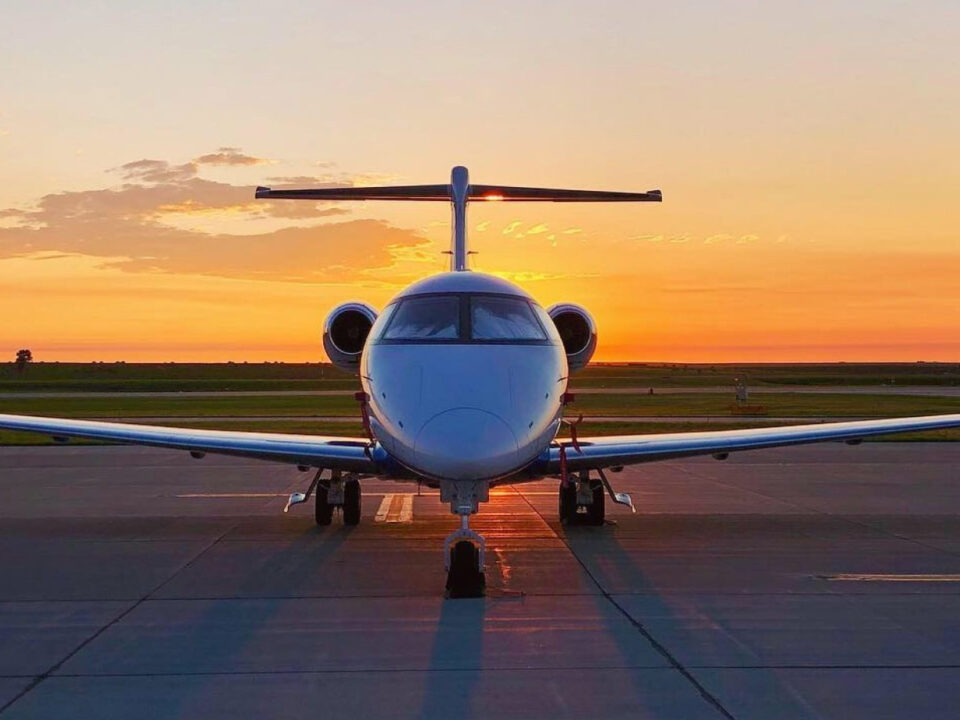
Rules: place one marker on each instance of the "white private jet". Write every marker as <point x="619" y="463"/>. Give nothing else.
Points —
<point x="464" y="381"/>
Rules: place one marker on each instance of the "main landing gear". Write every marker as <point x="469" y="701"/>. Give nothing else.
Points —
<point x="582" y="500"/>
<point x="340" y="490"/>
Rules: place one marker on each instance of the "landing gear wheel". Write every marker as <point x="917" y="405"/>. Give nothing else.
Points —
<point x="568" y="503"/>
<point x="597" y="509"/>
<point x="351" y="502"/>
<point x="322" y="510"/>
<point x="465" y="579"/>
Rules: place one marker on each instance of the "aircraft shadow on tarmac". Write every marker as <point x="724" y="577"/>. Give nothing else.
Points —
<point x="615" y="569"/>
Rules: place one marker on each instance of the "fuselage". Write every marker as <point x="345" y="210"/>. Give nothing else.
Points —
<point x="465" y="376"/>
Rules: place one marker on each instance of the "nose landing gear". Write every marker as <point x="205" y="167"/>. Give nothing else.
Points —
<point x="464" y="549"/>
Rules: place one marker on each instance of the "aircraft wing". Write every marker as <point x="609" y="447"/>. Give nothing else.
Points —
<point x="336" y="453"/>
<point x="603" y="452"/>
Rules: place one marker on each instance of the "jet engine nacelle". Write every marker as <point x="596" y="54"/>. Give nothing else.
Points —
<point x="578" y="332"/>
<point x="345" y="333"/>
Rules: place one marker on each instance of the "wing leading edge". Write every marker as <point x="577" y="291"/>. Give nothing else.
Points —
<point x="337" y="453"/>
<point x="354" y="455"/>
<point x="602" y="452"/>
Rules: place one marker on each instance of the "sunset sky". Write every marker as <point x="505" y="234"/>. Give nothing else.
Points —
<point x="808" y="153"/>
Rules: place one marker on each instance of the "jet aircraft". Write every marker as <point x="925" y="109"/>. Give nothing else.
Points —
<point x="464" y="381"/>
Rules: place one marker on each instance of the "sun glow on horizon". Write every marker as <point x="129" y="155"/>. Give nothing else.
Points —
<point x="809" y="198"/>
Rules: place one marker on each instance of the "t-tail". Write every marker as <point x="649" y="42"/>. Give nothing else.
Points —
<point x="458" y="193"/>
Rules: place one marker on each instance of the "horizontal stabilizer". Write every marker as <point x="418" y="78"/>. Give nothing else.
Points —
<point x="444" y="192"/>
<point x="459" y="193"/>
<point x="397" y="192"/>
<point x="534" y="194"/>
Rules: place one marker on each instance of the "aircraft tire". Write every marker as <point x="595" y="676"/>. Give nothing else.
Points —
<point x="322" y="510"/>
<point x="596" y="511"/>
<point x="351" y="502"/>
<point x="465" y="579"/>
<point x="568" y="503"/>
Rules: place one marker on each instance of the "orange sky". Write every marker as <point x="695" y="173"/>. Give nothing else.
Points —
<point x="808" y="159"/>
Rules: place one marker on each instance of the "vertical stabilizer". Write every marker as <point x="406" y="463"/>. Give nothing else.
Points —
<point x="459" y="188"/>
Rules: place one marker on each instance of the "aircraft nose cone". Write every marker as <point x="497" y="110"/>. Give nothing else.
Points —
<point x="466" y="444"/>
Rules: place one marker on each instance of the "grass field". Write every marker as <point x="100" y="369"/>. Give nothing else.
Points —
<point x="186" y="377"/>
<point x="65" y="379"/>
<point x="694" y="404"/>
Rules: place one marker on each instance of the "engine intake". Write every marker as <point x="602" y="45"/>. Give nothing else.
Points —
<point x="345" y="333"/>
<point x="578" y="332"/>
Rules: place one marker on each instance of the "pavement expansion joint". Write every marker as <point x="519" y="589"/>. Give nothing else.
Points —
<point x="56" y="666"/>
<point x="656" y="644"/>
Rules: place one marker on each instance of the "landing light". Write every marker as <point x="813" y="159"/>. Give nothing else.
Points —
<point x="492" y="197"/>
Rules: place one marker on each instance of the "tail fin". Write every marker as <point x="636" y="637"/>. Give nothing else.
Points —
<point x="459" y="192"/>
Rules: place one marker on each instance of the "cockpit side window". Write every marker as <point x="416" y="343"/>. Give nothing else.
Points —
<point x="425" y="318"/>
<point x="383" y="319"/>
<point x="503" y="318"/>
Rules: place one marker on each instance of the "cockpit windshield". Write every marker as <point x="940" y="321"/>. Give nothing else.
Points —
<point x="426" y="318"/>
<point x="503" y="318"/>
<point x="461" y="318"/>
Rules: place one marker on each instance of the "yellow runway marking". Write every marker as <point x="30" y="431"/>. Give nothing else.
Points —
<point x="878" y="577"/>
<point x="395" y="508"/>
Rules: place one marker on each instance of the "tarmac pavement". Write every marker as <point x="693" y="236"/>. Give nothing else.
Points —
<point x="819" y="581"/>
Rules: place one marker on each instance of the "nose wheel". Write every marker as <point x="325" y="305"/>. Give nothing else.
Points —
<point x="465" y="578"/>
<point x="465" y="554"/>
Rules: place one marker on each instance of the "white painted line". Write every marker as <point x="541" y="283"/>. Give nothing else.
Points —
<point x="406" y="510"/>
<point x="395" y="505"/>
<point x="384" y="508"/>
<point x="219" y="496"/>
<point x="878" y="577"/>
<point x="231" y="495"/>
<point x="526" y="493"/>
<point x="395" y="508"/>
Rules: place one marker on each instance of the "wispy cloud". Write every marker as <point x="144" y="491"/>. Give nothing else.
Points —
<point x="527" y="276"/>
<point x="715" y="239"/>
<point x="156" y="171"/>
<point x="229" y="156"/>
<point x="337" y="179"/>
<point x="311" y="180"/>
<point x="131" y="227"/>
